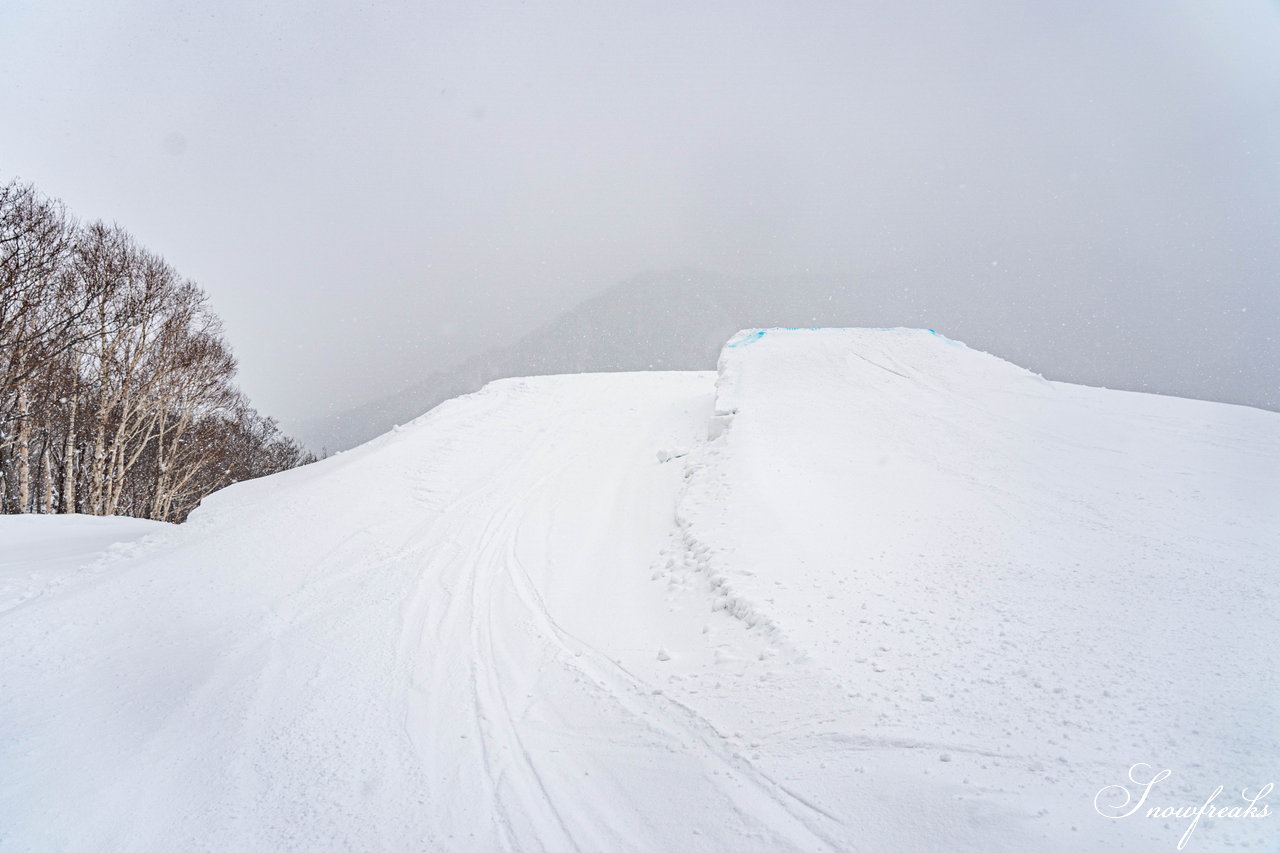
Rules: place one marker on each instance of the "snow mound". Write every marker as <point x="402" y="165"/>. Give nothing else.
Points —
<point x="1035" y="583"/>
<point x="853" y="361"/>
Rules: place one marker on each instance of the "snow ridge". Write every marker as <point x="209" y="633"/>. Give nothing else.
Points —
<point x="698" y="558"/>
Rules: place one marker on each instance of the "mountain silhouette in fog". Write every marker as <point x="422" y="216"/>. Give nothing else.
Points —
<point x="679" y="320"/>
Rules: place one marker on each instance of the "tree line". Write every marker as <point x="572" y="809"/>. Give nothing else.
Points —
<point x="117" y="392"/>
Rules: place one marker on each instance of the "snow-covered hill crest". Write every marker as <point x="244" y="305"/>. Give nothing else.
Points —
<point x="679" y="321"/>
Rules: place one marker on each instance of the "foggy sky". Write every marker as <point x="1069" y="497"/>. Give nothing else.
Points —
<point x="372" y="191"/>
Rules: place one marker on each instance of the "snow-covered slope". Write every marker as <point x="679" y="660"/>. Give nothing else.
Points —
<point x="861" y="590"/>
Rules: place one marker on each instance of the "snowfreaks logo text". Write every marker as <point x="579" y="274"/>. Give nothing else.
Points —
<point x="1121" y="801"/>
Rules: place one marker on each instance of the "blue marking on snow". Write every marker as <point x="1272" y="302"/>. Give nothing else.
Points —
<point x="747" y="338"/>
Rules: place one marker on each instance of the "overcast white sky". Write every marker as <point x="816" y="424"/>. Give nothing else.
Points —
<point x="370" y="191"/>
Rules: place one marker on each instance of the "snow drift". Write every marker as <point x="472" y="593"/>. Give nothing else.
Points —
<point x="861" y="589"/>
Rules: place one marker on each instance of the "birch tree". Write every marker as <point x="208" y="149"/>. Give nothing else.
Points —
<point x="117" y="386"/>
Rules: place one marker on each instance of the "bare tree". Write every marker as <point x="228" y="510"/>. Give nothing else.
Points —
<point x="117" y="390"/>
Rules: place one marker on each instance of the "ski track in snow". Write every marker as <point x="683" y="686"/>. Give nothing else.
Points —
<point x="490" y="585"/>
<point x="554" y="615"/>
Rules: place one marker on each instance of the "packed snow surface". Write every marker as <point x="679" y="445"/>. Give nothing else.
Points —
<point x="42" y="552"/>
<point x="859" y="590"/>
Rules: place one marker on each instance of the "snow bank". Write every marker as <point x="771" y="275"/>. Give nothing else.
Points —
<point x="1017" y="588"/>
<point x="39" y="553"/>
